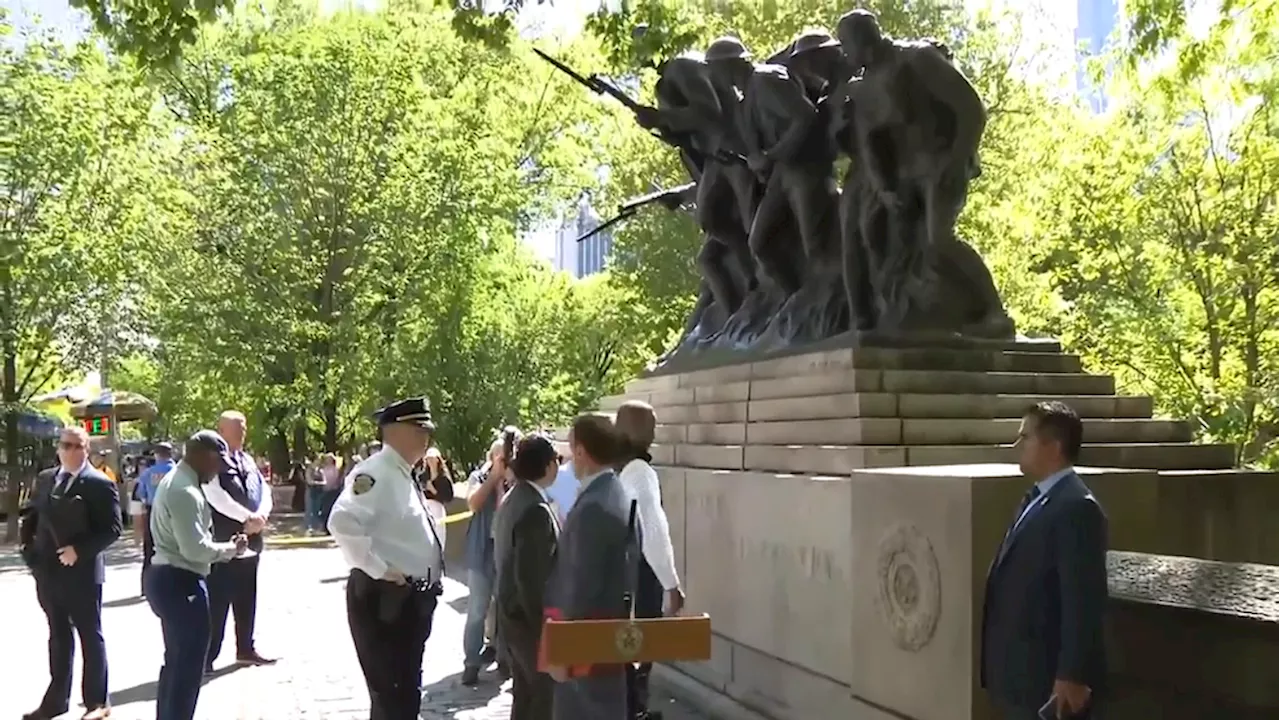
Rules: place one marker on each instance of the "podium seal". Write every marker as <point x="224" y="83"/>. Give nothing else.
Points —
<point x="628" y="640"/>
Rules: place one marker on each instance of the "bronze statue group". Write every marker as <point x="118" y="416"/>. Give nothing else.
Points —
<point x="793" y="254"/>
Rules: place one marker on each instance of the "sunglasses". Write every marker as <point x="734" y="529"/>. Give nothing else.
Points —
<point x="64" y="445"/>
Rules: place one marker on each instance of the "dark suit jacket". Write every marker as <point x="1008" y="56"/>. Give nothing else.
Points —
<point x="528" y="558"/>
<point x="87" y="517"/>
<point x="592" y="573"/>
<point x="1045" y="598"/>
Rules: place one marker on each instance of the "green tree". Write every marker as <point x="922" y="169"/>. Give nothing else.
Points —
<point x="157" y="32"/>
<point x="359" y="182"/>
<point x="82" y="184"/>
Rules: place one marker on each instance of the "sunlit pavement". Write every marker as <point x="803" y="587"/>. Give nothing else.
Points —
<point x="301" y="620"/>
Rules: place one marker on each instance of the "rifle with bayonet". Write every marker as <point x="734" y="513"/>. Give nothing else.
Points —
<point x="671" y="199"/>
<point x="599" y="86"/>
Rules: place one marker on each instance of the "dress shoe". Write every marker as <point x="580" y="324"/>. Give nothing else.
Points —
<point x="253" y="658"/>
<point x="99" y="713"/>
<point x="470" y="676"/>
<point x="43" y="714"/>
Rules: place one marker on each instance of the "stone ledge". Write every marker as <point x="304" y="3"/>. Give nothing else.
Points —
<point x="1242" y="590"/>
<point x="721" y="357"/>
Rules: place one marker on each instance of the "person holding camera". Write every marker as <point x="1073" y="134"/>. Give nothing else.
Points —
<point x="485" y="489"/>
<point x="176" y="585"/>
<point x="390" y="539"/>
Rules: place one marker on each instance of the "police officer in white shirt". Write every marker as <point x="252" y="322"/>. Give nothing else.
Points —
<point x="389" y="538"/>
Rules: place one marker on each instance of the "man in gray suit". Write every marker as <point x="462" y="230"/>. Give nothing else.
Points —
<point x="596" y="564"/>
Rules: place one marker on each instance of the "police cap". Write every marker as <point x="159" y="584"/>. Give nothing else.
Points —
<point x="413" y="411"/>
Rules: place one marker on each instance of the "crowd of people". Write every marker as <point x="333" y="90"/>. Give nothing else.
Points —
<point x="201" y="520"/>
<point x="548" y="538"/>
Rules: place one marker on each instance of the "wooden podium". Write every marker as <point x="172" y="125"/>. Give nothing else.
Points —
<point x="603" y="642"/>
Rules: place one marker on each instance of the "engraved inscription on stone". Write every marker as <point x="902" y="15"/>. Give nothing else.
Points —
<point x="908" y="589"/>
<point x="709" y="506"/>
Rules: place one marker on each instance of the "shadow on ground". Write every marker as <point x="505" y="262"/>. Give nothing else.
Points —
<point x="146" y="692"/>
<point x="449" y="696"/>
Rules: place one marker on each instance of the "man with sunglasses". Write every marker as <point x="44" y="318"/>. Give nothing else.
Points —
<point x="73" y="516"/>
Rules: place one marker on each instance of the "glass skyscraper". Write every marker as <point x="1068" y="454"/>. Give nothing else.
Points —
<point x="581" y="259"/>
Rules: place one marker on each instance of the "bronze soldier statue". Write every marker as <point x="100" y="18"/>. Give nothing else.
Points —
<point x="687" y="103"/>
<point x="917" y="122"/>
<point x="784" y="148"/>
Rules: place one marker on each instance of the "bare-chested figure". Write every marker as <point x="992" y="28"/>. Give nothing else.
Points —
<point x="786" y="148"/>
<point x="917" y="122"/>
<point x="689" y="104"/>
<point x="933" y="118"/>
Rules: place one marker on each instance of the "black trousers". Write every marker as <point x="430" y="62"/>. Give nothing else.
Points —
<point x="389" y="628"/>
<point x="233" y="586"/>
<point x="531" y="691"/>
<point x="148" y="546"/>
<point x="78" y="607"/>
<point x="648" y="605"/>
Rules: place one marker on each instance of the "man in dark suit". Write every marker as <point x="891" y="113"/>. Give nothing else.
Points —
<point x="1042" y="638"/>
<point x="241" y="501"/>
<point x="595" y="570"/>
<point x="524" y="538"/>
<point x="73" y="516"/>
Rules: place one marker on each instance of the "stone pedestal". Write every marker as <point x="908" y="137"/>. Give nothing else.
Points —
<point x="835" y="513"/>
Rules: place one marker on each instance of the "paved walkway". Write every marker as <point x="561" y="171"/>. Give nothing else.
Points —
<point x="301" y="619"/>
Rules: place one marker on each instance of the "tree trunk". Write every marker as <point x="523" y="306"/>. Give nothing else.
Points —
<point x="300" y="441"/>
<point x="14" y="482"/>
<point x="331" y="425"/>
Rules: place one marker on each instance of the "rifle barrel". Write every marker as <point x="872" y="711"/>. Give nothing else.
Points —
<point x="606" y="224"/>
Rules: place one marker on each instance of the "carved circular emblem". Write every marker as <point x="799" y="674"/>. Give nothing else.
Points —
<point x="909" y="592"/>
<point x="628" y="640"/>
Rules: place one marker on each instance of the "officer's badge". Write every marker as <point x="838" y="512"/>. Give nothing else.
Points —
<point x="362" y="484"/>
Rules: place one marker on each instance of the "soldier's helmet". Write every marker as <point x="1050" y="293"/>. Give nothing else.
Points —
<point x="811" y="40"/>
<point x="727" y="48"/>
<point x="859" y="26"/>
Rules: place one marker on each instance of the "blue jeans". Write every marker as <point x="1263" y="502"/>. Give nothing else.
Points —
<point x="315" y="507"/>
<point x="480" y="587"/>
<point x="180" y="599"/>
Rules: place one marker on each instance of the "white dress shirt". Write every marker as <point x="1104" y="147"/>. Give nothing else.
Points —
<point x="564" y="491"/>
<point x="640" y="479"/>
<point x="61" y="486"/>
<point x="222" y="502"/>
<point x="387" y="526"/>
<point x="1044" y="486"/>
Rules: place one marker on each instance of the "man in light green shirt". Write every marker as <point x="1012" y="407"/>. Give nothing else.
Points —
<point x="181" y="527"/>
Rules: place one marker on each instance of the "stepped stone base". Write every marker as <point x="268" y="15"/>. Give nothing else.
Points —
<point x="794" y="484"/>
